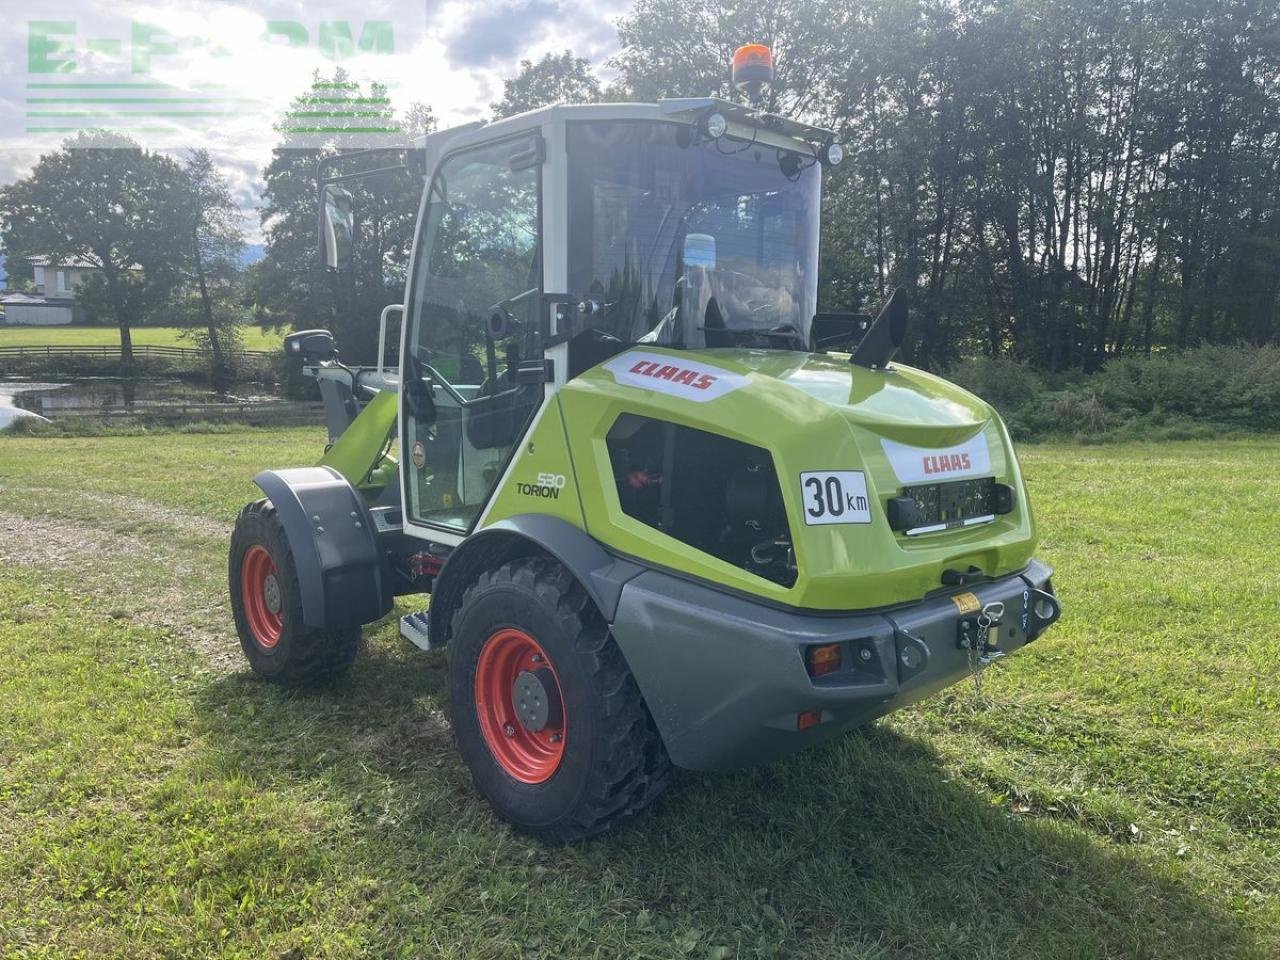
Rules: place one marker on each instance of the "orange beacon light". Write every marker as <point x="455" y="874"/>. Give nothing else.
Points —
<point x="752" y="68"/>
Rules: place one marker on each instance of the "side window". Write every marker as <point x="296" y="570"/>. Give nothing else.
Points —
<point x="472" y="317"/>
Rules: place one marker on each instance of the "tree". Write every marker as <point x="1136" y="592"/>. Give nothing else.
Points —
<point x="213" y="241"/>
<point x="556" y="78"/>
<point x="419" y="120"/>
<point x="103" y="199"/>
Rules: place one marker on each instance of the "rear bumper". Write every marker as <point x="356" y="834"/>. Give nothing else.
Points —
<point x="725" y="677"/>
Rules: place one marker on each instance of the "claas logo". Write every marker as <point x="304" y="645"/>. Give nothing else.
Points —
<point x="667" y="371"/>
<point x="946" y="462"/>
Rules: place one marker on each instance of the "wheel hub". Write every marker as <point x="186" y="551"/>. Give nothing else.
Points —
<point x="536" y="697"/>
<point x="271" y="593"/>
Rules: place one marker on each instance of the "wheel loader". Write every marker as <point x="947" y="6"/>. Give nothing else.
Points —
<point x="658" y="509"/>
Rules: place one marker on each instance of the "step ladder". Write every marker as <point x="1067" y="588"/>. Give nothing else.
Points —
<point x="414" y="628"/>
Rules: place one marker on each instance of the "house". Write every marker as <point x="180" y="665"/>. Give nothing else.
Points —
<point x="54" y="302"/>
<point x="24" y="309"/>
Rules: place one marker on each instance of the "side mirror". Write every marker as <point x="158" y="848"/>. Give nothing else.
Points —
<point x="337" y="227"/>
<point x="311" y="346"/>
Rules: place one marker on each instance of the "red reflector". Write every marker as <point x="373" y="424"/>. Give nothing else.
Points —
<point x="824" y="659"/>
<point x="807" y="719"/>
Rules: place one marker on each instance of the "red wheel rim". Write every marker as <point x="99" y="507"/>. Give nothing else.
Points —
<point x="260" y="590"/>
<point x="526" y="744"/>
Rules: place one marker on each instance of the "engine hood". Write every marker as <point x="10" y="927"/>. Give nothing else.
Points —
<point x="892" y="428"/>
<point x="899" y="402"/>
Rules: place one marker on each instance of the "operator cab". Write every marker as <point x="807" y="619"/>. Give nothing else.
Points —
<point x="551" y="241"/>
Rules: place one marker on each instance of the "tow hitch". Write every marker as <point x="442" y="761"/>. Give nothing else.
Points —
<point x="980" y="635"/>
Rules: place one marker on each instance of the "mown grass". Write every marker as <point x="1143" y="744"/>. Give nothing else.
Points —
<point x="1114" y="794"/>
<point x="254" y="338"/>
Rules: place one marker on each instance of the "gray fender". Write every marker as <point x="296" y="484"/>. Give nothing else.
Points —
<point x="600" y="574"/>
<point x="342" y="573"/>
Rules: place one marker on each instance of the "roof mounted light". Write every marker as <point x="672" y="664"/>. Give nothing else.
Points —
<point x="831" y="154"/>
<point x="714" y="125"/>
<point x="752" y="69"/>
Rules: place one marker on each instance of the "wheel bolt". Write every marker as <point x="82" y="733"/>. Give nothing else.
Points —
<point x="556" y="738"/>
<point x="509" y="730"/>
<point x="536" y="658"/>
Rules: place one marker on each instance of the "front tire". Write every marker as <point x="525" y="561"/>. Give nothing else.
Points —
<point x="267" y="605"/>
<point x="545" y="711"/>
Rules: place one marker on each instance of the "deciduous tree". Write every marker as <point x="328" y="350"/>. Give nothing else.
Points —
<point x="103" y="199"/>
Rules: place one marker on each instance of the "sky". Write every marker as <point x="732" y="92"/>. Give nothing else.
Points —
<point x="177" y="74"/>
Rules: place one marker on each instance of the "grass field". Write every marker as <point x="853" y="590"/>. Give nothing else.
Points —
<point x="1115" y="792"/>
<point x="254" y="337"/>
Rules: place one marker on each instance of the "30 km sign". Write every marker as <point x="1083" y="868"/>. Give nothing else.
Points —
<point x="838" y="496"/>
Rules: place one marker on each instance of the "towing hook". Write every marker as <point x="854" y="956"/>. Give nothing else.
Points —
<point x="1045" y="611"/>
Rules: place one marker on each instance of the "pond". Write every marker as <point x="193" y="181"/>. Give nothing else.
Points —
<point x="106" y="394"/>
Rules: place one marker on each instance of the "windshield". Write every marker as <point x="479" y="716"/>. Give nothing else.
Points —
<point x="703" y="245"/>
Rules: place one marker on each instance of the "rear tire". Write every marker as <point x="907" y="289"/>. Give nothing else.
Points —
<point x="267" y="605"/>
<point x="528" y="617"/>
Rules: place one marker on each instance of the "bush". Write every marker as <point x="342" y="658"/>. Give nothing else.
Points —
<point x="1197" y="393"/>
<point x="1002" y="382"/>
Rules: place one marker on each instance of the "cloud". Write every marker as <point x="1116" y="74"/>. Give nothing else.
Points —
<point x="495" y="35"/>
<point x="232" y="74"/>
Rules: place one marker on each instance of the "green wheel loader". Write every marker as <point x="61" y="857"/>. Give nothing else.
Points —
<point x="667" y="513"/>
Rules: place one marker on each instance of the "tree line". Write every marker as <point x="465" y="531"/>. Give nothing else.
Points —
<point x="1061" y="181"/>
<point x="1055" y="181"/>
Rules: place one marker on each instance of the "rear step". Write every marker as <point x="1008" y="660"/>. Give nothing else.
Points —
<point x="413" y="627"/>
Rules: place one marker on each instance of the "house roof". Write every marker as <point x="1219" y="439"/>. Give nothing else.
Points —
<point x="50" y="261"/>
<point x="29" y="300"/>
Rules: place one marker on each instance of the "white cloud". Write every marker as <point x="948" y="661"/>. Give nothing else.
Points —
<point x="222" y="72"/>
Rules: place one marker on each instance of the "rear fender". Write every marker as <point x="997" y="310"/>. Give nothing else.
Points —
<point x="600" y="574"/>
<point x="342" y="572"/>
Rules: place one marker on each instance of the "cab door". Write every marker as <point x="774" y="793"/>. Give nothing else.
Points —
<point x="472" y="318"/>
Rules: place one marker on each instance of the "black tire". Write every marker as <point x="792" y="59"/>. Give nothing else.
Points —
<point x="614" y="763"/>
<point x="300" y="655"/>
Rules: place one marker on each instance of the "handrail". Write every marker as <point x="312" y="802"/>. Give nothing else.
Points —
<point x="382" y="332"/>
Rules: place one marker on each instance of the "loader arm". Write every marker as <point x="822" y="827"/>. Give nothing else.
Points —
<point x="358" y="453"/>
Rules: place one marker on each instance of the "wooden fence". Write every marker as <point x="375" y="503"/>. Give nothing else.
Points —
<point x="112" y="352"/>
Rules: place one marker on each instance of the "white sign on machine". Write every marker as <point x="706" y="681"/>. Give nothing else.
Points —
<point x="835" y="496"/>
<point x="699" y="382"/>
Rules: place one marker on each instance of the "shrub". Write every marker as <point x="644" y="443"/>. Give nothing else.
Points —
<point x="1196" y="393"/>
<point x="1004" y="383"/>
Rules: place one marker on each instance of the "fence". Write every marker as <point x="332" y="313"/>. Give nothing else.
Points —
<point x="112" y="352"/>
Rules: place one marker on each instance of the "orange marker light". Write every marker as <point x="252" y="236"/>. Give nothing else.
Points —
<point x="752" y="67"/>
<point x="810" y="718"/>
<point x="824" y="659"/>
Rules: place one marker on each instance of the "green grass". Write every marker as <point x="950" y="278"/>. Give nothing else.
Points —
<point x="255" y="338"/>
<point x="1114" y="794"/>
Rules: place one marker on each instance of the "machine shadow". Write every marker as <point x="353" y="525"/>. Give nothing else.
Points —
<point x="864" y="839"/>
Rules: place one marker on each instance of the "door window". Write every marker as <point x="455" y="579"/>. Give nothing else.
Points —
<point x="472" y="316"/>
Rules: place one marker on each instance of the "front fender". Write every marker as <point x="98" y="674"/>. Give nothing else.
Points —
<point x="342" y="573"/>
